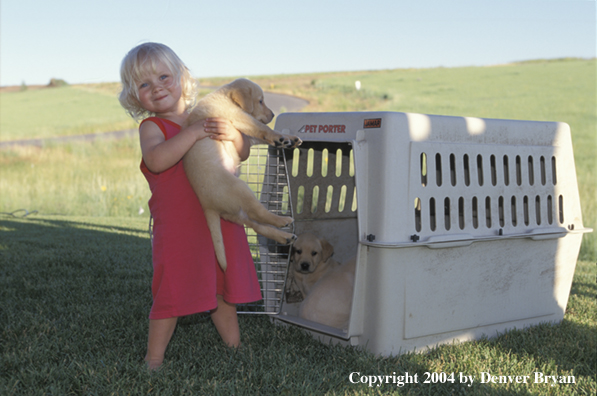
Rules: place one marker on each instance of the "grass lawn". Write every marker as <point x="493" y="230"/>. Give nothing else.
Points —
<point x="76" y="295"/>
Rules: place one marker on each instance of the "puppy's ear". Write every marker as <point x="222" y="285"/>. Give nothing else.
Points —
<point x="243" y="98"/>
<point x="327" y="250"/>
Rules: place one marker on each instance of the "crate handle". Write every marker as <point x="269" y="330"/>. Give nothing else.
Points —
<point x="539" y="234"/>
<point x="447" y="241"/>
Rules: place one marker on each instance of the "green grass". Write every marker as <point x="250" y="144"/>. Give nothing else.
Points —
<point x="75" y="295"/>
<point x="63" y="111"/>
<point x="99" y="179"/>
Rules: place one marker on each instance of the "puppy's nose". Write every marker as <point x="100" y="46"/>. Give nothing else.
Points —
<point x="304" y="266"/>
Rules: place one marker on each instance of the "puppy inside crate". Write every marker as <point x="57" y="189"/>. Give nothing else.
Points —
<point x="323" y="198"/>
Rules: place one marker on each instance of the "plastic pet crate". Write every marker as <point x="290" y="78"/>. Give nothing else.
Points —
<point x="462" y="227"/>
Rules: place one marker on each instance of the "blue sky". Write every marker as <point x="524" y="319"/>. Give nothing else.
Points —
<point x="84" y="41"/>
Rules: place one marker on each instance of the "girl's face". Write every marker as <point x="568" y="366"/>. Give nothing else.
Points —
<point x="159" y="93"/>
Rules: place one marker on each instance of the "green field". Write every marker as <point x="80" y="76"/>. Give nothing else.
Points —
<point x="63" y="111"/>
<point x="102" y="178"/>
<point x="75" y="276"/>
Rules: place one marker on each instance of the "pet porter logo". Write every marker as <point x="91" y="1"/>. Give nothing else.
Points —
<point x="323" y="129"/>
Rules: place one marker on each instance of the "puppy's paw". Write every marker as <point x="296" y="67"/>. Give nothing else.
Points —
<point x="291" y="239"/>
<point x="296" y="141"/>
<point x="286" y="141"/>
<point x="292" y="141"/>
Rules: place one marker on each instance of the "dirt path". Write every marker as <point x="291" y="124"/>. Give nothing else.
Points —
<point x="279" y="103"/>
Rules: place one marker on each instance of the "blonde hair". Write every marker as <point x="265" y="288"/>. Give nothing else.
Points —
<point x="145" y="57"/>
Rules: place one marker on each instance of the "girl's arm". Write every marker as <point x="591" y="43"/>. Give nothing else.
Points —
<point x="160" y="154"/>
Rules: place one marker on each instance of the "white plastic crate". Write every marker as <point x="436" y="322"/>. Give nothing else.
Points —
<point x="464" y="227"/>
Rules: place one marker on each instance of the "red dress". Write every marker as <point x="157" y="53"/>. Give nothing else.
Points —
<point x="186" y="275"/>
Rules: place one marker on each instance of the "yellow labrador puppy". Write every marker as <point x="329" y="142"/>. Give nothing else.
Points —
<point x="311" y="258"/>
<point x="326" y="285"/>
<point x="330" y="299"/>
<point x="211" y="165"/>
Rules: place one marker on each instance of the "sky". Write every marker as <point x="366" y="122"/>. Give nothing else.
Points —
<point x="85" y="41"/>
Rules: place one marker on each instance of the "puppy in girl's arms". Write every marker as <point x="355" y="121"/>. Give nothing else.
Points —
<point x="211" y="165"/>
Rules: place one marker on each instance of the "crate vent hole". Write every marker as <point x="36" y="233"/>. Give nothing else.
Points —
<point x="531" y="171"/>
<point x="328" y="199"/>
<point x="447" y="219"/>
<point x="418" y="214"/>
<point x="423" y="169"/>
<point x="561" y="208"/>
<point x="295" y="161"/>
<point x="310" y="160"/>
<point x="513" y="209"/>
<point x="475" y="213"/>
<point x="543" y="176"/>
<point x="453" y="169"/>
<point x="324" y="162"/>
<point x="467" y="171"/>
<point x="525" y="207"/>
<point x="342" y="200"/>
<point x="501" y="211"/>
<point x="461" y="222"/>
<point x="438" y="169"/>
<point x="554" y="178"/>
<point x="480" y="169"/>
<point x="339" y="163"/>
<point x="432" y="217"/>
<point x="314" y="199"/>
<point x="488" y="212"/>
<point x="300" y="199"/>
<point x="506" y="171"/>
<point x="518" y="171"/>
<point x="493" y="170"/>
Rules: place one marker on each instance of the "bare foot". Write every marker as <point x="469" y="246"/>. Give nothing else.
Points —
<point x="153" y="364"/>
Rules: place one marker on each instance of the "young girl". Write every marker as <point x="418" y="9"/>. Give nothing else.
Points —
<point x="186" y="276"/>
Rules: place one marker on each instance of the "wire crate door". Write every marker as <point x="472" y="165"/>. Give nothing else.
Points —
<point x="265" y="172"/>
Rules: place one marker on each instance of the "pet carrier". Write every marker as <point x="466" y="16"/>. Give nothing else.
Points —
<point x="462" y="227"/>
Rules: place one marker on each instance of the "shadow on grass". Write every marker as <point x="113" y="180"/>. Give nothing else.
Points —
<point x="75" y="295"/>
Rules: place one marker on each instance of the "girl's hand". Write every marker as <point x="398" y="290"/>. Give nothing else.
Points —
<point x="220" y="129"/>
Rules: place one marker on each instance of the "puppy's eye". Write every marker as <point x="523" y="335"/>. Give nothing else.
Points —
<point x="313" y="253"/>
<point x="261" y="101"/>
<point x="298" y="251"/>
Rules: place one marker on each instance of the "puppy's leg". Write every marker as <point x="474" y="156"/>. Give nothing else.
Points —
<point x="279" y="140"/>
<point x="276" y="234"/>
<point x="215" y="228"/>
<point x="253" y="209"/>
<point x="282" y="237"/>
<point x="251" y="127"/>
